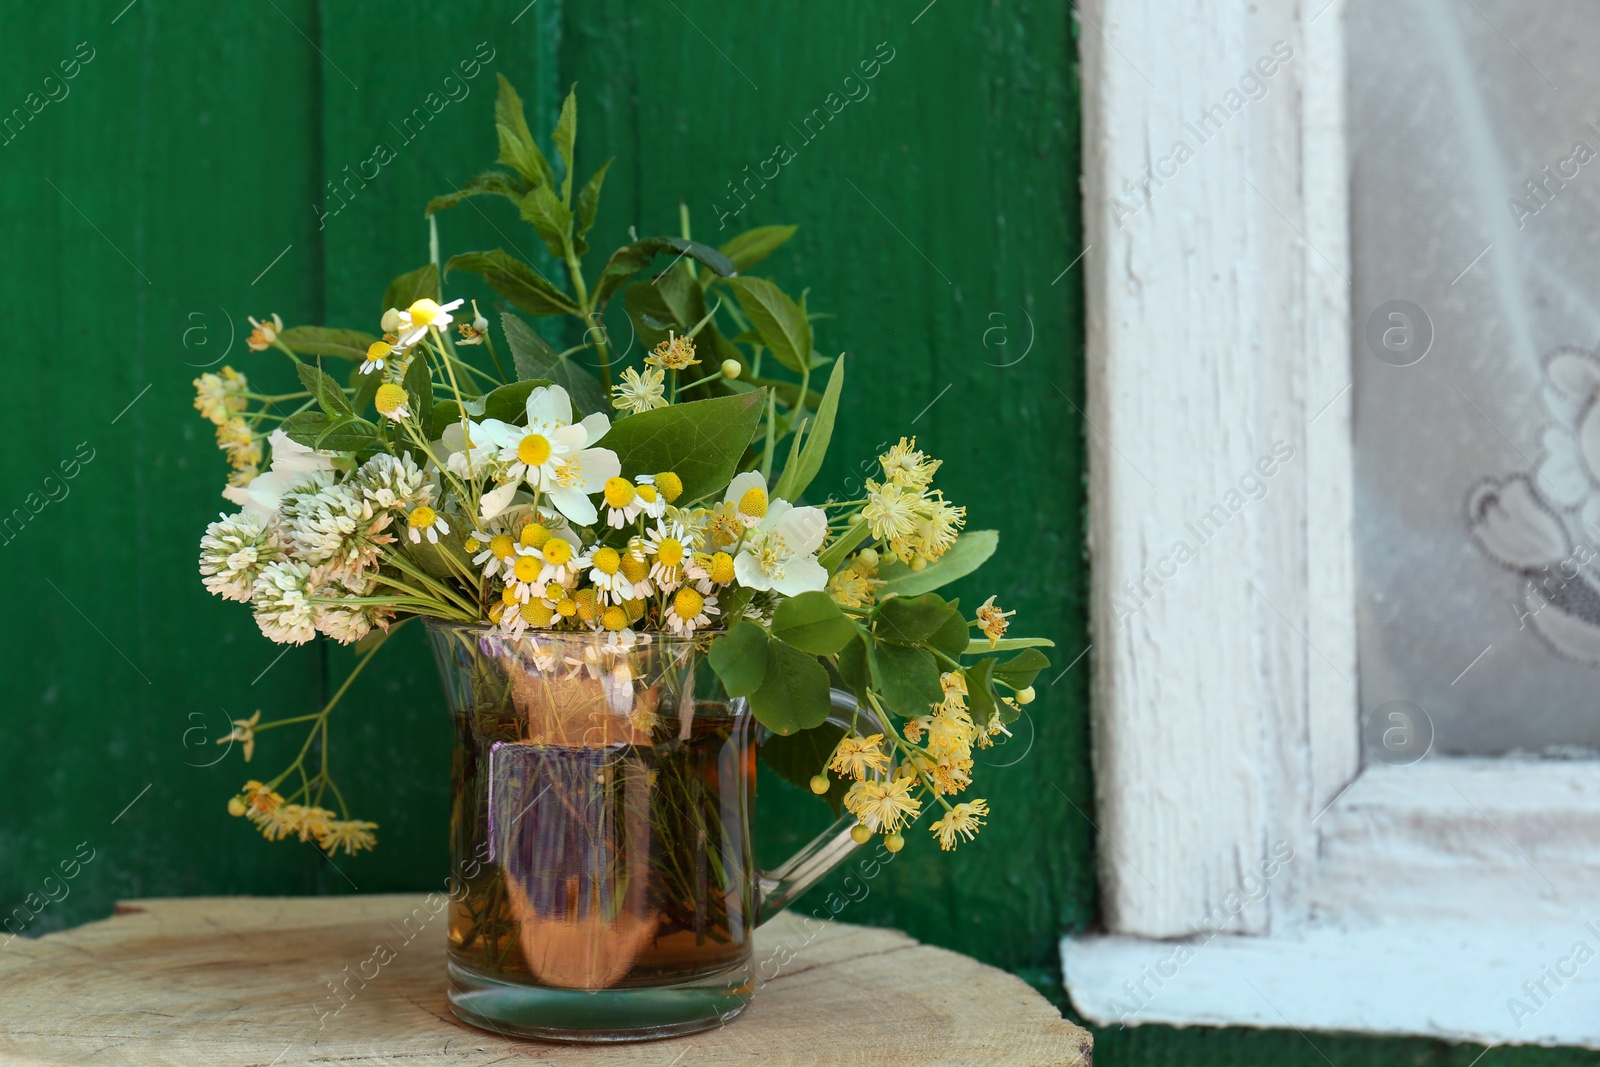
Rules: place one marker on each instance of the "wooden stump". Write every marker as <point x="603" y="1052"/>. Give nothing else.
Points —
<point x="274" y="982"/>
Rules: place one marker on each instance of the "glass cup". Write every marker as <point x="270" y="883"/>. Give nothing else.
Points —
<point x="601" y="794"/>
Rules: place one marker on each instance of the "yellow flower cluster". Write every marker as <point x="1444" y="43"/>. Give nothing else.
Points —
<point x="856" y="583"/>
<point x="675" y="353"/>
<point x="906" y="512"/>
<point x="278" y="820"/>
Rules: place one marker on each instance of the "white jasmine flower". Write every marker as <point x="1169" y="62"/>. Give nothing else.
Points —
<point x="233" y="552"/>
<point x="780" y="554"/>
<point x="292" y="464"/>
<point x="282" y="605"/>
<point x="469" y="451"/>
<point x="551" y="455"/>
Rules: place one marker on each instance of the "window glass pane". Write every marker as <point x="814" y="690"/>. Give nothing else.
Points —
<point x="1475" y="229"/>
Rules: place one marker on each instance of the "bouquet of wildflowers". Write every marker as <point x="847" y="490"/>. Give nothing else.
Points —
<point x="444" y="475"/>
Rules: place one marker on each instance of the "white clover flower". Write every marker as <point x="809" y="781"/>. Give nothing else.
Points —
<point x="233" y="551"/>
<point x="337" y="528"/>
<point x="391" y="482"/>
<point x="282" y="605"/>
<point x="348" y="623"/>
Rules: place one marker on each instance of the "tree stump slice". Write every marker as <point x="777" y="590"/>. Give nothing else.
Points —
<point x="245" y="982"/>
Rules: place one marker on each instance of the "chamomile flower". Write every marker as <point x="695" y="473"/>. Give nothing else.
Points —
<point x="640" y="392"/>
<point x="523" y="572"/>
<point x="233" y="551"/>
<point x="689" y="610"/>
<point x="651" y="502"/>
<point x="560" y="561"/>
<point x="883" y="807"/>
<point x="667" y="544"/>
<point x="218" y="396"/>
<point x="963" y="821"/>
<point x="379" y="353"/>
<point x="622" y="502"/>
<point x="709" y="570"/>
<point x="608" y="577"/>
<point x="781" y="553"/>
<point x="413" y="323"/>
<point x="993" y="621"/>
<point x="263" y="333"/>
<point x="391" y="402"/>
<point x="425" y="521"/>
<point x="635" y="567"/>
<point x="497" y="554"/>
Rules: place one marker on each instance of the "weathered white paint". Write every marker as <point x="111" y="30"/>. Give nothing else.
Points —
<point x="1418" y="900"/>
<point x="1217" y="334"/>
<point x="1458" y="981"/>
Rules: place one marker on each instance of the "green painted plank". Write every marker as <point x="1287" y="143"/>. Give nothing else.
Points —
<point x="935" y="212"/>
<point x="141" y="205"/>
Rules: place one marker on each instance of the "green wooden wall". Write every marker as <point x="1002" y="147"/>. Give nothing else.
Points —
<point x="178" y="181"/>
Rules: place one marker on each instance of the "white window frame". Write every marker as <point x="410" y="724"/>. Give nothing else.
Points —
<point x="1418" y="900"/>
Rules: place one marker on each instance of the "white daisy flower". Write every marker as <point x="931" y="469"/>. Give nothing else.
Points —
<point x="425" y="521"/>
<point x="282" y="608"/>
<point x="669" y="545"/>
<point x="651" y="502"/>
<point x="622" y="502"/>
<point x="780" y="553"/>
<point x="608" y="577"/>
<point x="233" y="552"/>
<point x="413" y="323"/>
<point x="690" y="610"/>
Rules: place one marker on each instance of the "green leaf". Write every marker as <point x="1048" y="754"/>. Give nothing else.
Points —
<point x="979" y="645"/>
<point x="740" y="658"/>
<point x="366" y="387"/>
<point x="969" y="552"/>
<point x="647" y="308"/>
<point x="788" y="393"/>
<point x="733" y="600"/>
<point x="797" y="477"/>
<point x="746" y="249"/>
<point x="853" y="668"/>
<point x="980" y="692"/>
<point x="537" y="361"/>
<point x="564" y="137"/>
<point x="804" y="753"/>
<point x="629" y="260"/>
<point x="330" y="398"/>
<point x="321" y="341"/>
<point x="589" y="202"/>
<point x="509" y="403"/>
<point x="835" y="554"/>
<point x="778" y="319"/>
<point x="911" y="620"/>
<point x="419" y="388"/>
<point x="951" y="637"/>
<point x="513" y="279"/>
<point x="316" y="430"/>
<point x="489" y="183"/>
<point x="813" y="623"/>
<point x="550" y="217"/>
<point x="1020" y="670"/>
<point x="700" y="441"/>
<point x="517" y="147"/>
<point x="907" y="676"/>
<point x="794" y="694"/>
<point x="409" y="288"/>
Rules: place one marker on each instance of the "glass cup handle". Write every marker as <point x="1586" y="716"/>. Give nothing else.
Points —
<point x="778" y="888"/>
